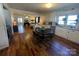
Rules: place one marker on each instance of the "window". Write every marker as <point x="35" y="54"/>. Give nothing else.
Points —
<point x="37" y="19"/>
<point x="71" y="20"/>
<point x="61" y="20"/>
<point x="20" y="20"/>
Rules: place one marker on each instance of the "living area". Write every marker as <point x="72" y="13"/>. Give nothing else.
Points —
<point x="39" y="29"/>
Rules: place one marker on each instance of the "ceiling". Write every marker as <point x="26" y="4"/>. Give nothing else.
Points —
<point x="39" y="7"/>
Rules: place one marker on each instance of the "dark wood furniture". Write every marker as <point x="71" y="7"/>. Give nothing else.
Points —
<point x="44" y="34"/>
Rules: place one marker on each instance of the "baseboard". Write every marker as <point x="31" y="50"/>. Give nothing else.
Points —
<point x="4" y="46"/>
<point x="68" y="41"/>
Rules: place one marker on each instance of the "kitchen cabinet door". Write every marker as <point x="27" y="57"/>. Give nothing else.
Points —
<point x="73" y="36"/>
<point x="61" y="32"/>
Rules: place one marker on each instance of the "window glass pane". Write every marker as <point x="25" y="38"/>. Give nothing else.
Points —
<point x="72" y="17"/>
<point x="36" y="19"/>
<point x="20" y="20"/>
<point x="71" y="22"/>
<point x="61" y="20"/>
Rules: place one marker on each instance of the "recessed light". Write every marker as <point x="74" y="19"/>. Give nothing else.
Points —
<point x="48" y="5"/>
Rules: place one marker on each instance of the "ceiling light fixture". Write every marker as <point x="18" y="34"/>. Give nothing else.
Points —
<point x="48" y="5"/>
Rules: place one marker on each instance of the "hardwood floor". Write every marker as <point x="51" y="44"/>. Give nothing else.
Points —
<point x="24" y="45"/>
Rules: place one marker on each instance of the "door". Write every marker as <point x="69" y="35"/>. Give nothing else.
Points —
<point x="3" y="32"/>
<point x="8" y="23"/>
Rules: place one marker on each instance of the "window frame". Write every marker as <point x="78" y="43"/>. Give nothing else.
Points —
<point x="65" y="21"/>
<point x="62" y="20"/>
<point x="72" y="20"/>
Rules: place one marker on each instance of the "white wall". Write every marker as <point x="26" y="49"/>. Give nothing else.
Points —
<point x="21" y="12"/>
<point x="3" y="32"/>
<point x="72" y="35"/>
<point x="16" y="13"/>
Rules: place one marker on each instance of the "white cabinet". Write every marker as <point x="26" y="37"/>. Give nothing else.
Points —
<point x="61" y="32"/>
<point x="68" y="34"/>
<point x="73" y="36"/>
